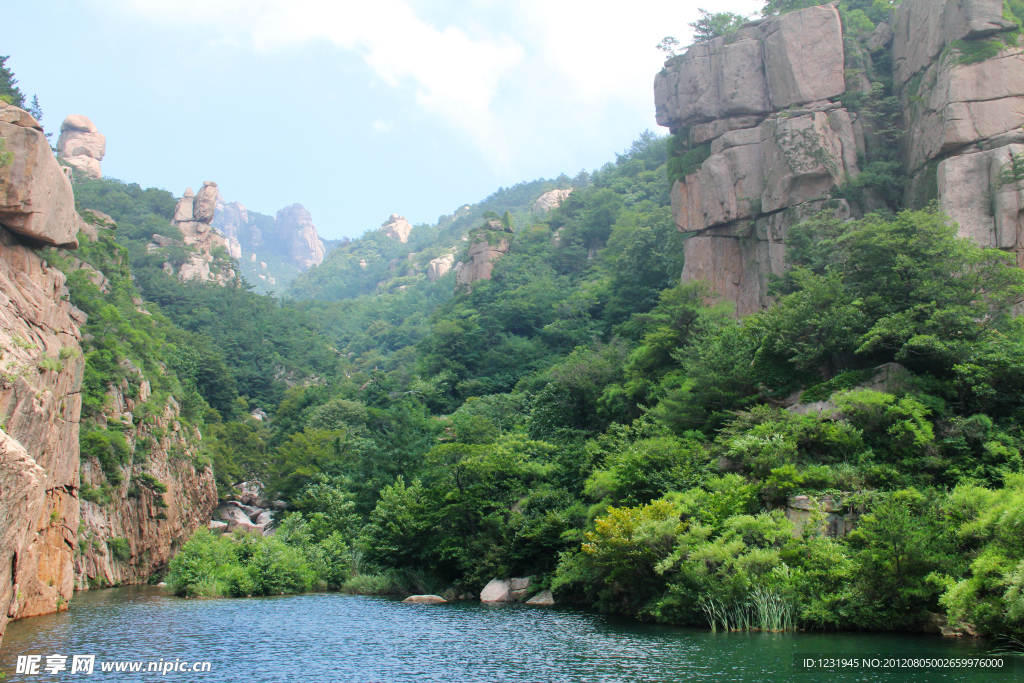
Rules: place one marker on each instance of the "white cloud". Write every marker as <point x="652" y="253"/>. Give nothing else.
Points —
<point x="381" y="126"/>
<point x="454" y="74"/>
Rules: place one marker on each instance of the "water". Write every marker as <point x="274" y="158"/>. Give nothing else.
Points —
<point x="327" y="637"/>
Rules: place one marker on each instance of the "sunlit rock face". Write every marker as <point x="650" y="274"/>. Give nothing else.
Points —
<point x="397" y="228"/>
<point x="769" y="141"/>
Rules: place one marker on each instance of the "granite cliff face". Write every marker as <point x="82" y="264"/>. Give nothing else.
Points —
<point x="40" y="378"/>
<point x="762" y="139"/>
<point x="163" y="496"/>
<point x="397" y="228"/>
<point x="48" y="547"/>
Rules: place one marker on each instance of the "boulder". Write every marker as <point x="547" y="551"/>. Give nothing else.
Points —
<point x="36" y="199"/>
<point x="295" y="226"/>
<point x="17" y="116"/>
<point x="550" y="200"/>
<point x="204" y="205"/>
<point x="497" y="590"/>
<point x="804" y="60"/>
<point x="183" y="210"/>
<point x="436" y="269"/>
<point x="397" y="228"/>
<point x="836" y="521"/>
<point x="217" y="527"/>
<point x="425" y="599"/>
<point x="543" y="598"/>
<point x="519" y="587"/>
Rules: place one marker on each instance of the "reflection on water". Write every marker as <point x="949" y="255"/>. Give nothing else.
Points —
<point x="331" y="637"/>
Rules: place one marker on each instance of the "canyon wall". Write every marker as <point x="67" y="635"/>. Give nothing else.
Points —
<point x="40" y="378"/>
<point x="161" y="498"/>
<point x="52" y="541"/>
<point x="762" y="138"/>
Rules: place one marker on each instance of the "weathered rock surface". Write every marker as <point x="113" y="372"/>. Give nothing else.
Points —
<point x="425" y="599"/>
<point x="485" y="248"/>
<point x="39" y="451"/>
<point x="789" y="60"/>
<point x="153" y="524"/>
<point x="505" y="590"/>
<point x="437" y="268"/>
<point x="397" y="228"/>
<point x="81" y="145"/>
<point x="550" y="200"/>
<point x="497" y="590"/>
<point x="543" y="598"/>
<point x="36" y="199"/>
<point x="835" y="519"/>
<point x="924" y="28"/>
<point x="295" y="227"/>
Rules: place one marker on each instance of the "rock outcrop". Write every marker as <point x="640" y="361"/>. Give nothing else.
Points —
<point x="295" y="227"/>
<point x="437" y="268"/>
<point x="757" y="107"/>
<point x="397" y="228"/>
<point x="40" y="379"/>
<point x="81" y="145"/>
<point x="192" y="216"/>
<point x="762" y="140"/>
<point x="485" y="247"/>
<point x="964" y="115"/>
<point x="425" y="599"/>
<point x="550" y="200"/>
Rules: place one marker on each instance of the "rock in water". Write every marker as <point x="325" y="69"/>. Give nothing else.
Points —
<point x="82" y="145"/>
<point x="425" y="599"/>
<point x="497" y="590"/>
<point x="543" y="598"/>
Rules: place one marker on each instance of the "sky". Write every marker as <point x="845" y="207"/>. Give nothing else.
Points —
<point x="356" y="110"/>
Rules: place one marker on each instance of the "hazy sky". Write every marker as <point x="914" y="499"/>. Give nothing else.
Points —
<point x="355" y="109"/>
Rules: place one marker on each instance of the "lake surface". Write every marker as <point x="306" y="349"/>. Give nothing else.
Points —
<point x="328" y="637"/>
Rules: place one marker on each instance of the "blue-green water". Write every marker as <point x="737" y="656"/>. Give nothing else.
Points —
<point x="328" y="637"/>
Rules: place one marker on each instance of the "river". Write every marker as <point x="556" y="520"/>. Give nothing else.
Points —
<point x="327" y="637"/>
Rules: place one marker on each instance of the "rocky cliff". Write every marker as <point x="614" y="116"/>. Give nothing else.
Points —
<point x="40" y="378"/>
<point x="155" y="502"/>
<point x="487" y="244"/>
<point x="763" y="136"/>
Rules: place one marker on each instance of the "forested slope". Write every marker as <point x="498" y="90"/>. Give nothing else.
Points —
<point x="848" y="457"/>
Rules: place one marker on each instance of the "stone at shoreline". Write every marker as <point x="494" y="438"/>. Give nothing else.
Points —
<point x="543" y="598"/>
<point x="425" y="599"/>
<point x="497" y="590"/>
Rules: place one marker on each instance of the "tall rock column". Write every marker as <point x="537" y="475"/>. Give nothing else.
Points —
<point x="295" y="227"/>
<point x="81" y="145"/>
<point x="41" y="370"/>
<point x="760" y="145"/>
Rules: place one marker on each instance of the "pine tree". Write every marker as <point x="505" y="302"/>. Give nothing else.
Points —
<point x="9" y="90"/>
<point x="35" y="109"/>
